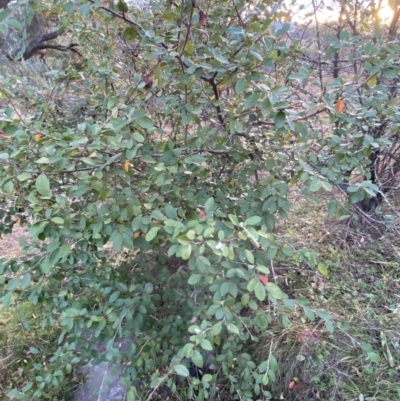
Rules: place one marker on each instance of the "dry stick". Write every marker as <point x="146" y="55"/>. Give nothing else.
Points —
<point x="159" y="384"/>
<point x="318" y="43"/>
<point x="238" y="14"/>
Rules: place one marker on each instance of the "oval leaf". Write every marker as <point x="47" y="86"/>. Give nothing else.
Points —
<point x="181" y="370"/>
<point x="274" y="290"/>
<point x="43" y="185"/>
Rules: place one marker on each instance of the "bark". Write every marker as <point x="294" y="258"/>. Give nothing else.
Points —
<point x="4" y="3"/>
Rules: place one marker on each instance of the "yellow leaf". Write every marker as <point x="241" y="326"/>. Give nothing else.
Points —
<point x="126" y="165"/>
<point x="93" y="154"/>
<point x="48" y="13"/>
<point x="37" y="137"/>
<point x="340" y="105"/>
<point x="373" y="81"/>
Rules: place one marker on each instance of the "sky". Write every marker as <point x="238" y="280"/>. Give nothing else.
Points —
<point x="302" y="7"/>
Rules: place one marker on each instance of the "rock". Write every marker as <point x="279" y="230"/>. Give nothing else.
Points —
<point x="102" y="383"/>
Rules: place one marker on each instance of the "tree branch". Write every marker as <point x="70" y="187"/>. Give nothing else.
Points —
<point x="39" y="43"/>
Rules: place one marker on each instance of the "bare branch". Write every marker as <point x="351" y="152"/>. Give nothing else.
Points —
<point x="39" y="43"/>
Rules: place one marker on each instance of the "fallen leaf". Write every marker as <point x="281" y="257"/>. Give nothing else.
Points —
<point x="308" y="336"/>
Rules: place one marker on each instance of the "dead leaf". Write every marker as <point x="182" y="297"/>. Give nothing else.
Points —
<point x="202" y="18"/>
<point x="264" y="279"/>
<point x="126" y="166"/>
<point x="340" y="105"/>
<point x="148" y="80"/>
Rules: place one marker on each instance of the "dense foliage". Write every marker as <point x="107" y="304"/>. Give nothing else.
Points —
<point x="154" y="161"/>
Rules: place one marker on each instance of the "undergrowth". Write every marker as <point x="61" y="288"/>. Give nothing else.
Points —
<point x="24" y="345"/>
<point x="349" y="273"/>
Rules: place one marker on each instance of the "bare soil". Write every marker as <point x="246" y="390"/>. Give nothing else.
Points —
<point x="9" y="244"/>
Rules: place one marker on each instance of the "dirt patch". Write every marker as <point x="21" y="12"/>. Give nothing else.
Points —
<point x="10" y="244"/>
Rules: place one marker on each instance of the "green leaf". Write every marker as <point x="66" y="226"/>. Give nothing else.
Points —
<point x="374" y="357"/>
<point x="263" y="269"/>
<point x="72" y="312"/>
<point x="240" y="85"/>
<point x="117" y="240"/>
<point x="216" y="329"/>
<point x="259" y="290"/>
<point x="329" y="326"/>
<point x="206" y="378"/>
<point x="114" y="296"/>
<point x="194" y="279"/>
<point x="249" y="256"/>
<point x="372" y="81"/>
<point x="233" y="219"/>
<point x="146" y="122"/>
<point x="186" y="251"/>
<point x="7" y="299"/>
<point x="209" y="205"/>
<point x="65" y="250"/>
<point x="323" y="269"/>
<point x="218" y="56"/>
<point x="327" y="186"/>
<point x="309" y="313"/>
<point x="4" y="14"/>
<point x="315" y="185"/>
<point x="232" y="328"/>
<point x="43" y="185"/>
<point x="252" y="100"/>
<point x="280" y="119"/>
<point x="131" y="396"/>
<point x="274" y="290"/>
<point x="152" y="233"/>
<point x="170" y="212"/>
<point x="57" y="220"/>
<point x="181" y="370"/>
<point x="197" y="359"/>
<point x="254" y="220"/>
<point x="138" y="137"/>
<point x="205" y="344"/>
<point x="357" y="196"/>
<point x="323" y="315"/>
<point x="366" y="347"/>
<point x="84" y="9"/>
<point x="26" y="280"/>
<point x="24" y="176"/>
